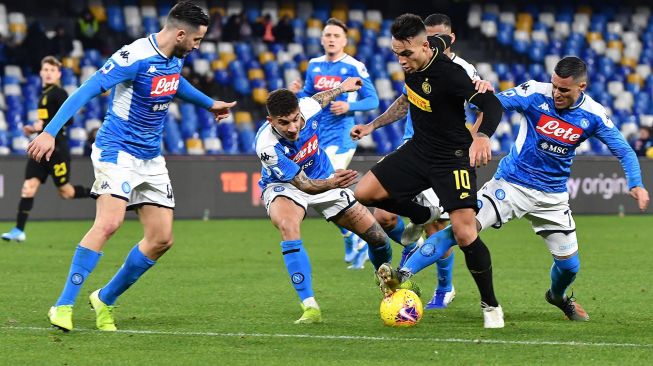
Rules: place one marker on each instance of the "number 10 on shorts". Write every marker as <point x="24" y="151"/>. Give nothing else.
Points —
<point x="462" y="179"/>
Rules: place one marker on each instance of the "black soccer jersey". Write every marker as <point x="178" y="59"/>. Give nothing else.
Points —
<point x="52" y="97"/>
<point x="437" y="94"/>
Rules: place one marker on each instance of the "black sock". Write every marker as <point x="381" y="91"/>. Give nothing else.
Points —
<point x="479" y="263"/>
<point x="417" y="213"/>
<point x="82" y="192"/>
<point x="24" y="207"/>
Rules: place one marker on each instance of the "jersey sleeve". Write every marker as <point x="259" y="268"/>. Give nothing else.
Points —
<point x="616" y="143"/>
<point x="309" y="87"/>
<point x="117" y="69"/>
<point x="520" y="97"/>
<point x="367" y="96"/>
<point x="309" y="107"/>
<point x="279" y="165"/>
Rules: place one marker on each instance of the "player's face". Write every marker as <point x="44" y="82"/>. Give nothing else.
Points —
<point x="50" y="74"/>
<point x="288" y="126"/>
<point x="412" y="53"/>
<point x="188" y="40"/>
<point x="334" y="40"/>
<point x="566" y="91"/>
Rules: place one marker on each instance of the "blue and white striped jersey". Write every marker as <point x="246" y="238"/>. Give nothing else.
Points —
<point x="282" y="159"/>
<point x="323" y="75"/>
<point x="545" y="147"/>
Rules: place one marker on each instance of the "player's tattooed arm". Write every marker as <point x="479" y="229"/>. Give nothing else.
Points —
<point x="397" y="111"/>
<point x="327" y="96"/>
<point x="349" y="85"/>
<point x="341" y="179"/>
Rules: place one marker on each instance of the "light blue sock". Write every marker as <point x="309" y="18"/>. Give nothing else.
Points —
<point x="406" y="252"/>
<point x="563" y="273"/>
<point x="445" y="272"/>
<point x="432" y="249"/>
<point x="298" y="266"/>
<point x="395" y="233"/>
<point x="135" y="265"/>
<point x="83" y="263"/>
<point x="381" y="254"/>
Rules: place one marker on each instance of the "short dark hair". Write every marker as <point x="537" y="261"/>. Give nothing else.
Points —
<point x="437" y="19"/>
<point x="571" y="66"/>
<point x="281" y="102"/>
<point x="407" y="26"/>
<point x="338" y="23"/>
<point x="51" y="60"/>
<point x="188" y="13"/>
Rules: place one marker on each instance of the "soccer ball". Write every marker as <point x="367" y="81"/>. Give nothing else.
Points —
<point x="401" y="309"/>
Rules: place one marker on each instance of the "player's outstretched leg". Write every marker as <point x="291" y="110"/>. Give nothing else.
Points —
<point x="83" y="262"/>
<point x="563" y="273"/>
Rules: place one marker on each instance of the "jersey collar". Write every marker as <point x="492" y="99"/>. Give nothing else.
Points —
<point x="579" y="102"/>
<point x="152" y="40"/>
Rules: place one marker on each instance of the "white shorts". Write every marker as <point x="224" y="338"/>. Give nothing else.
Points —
<point x="135" y="180"/>
<point x="500" y="201"/>
<point x="328" y="204"/>
<point x="433" y="199"/>
<point x="339" y="161"/>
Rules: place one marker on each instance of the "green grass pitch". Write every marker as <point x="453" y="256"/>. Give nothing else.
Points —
<point x="221" y="296"/>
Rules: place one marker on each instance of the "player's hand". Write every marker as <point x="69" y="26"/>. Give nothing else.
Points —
<point x="28" y="130"/>
<point x="220" y="109"/>
<point x="641" y="195"/>
<point x="483" y="85"/>
<point x="295" y="86"/>
<point x="344" y="178"/>
<point x="351" y="84"/>
<point x="480" y="152"/>
<point x="42" y="145"/>
<point x="339" y="107"/>
<point x="359" y="131"/>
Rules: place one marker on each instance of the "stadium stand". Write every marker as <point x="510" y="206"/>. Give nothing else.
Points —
<point x="525" y="40"/>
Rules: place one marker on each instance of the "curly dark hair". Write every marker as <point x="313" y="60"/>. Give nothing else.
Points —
<point x="188" y="13"/>
<point x="407" y="26"/>
<point x="281" y="102"/>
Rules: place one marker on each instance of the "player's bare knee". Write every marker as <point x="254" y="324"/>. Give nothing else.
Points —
<point x="108" y="227"/>
<point x="28" y="190"/>
<point x="66" y="194"/>
<point x="289" y="228"/>
<point x="464" y="235"/>
<point x="387" y="220"/>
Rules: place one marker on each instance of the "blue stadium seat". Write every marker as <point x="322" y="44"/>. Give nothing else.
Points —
<point x="116" y="18"/>
<point x="229" y="137"/>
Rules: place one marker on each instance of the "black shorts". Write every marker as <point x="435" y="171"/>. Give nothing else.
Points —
<point x="58" y="167"/>
<point x="405" y="173"/>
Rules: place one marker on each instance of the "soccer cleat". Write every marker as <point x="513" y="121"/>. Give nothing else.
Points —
<point x="14" y="234"/>
<point x="441" y="299"/>
<point x="492" y="316"/>
<point x="569" y="306"/>
<point x="350" y="252"/>
<point x="61" y="317"/>
<point x="103" y="313"/>
<point x="361" y="257"/>
<point x="389" y="280"/>
<point x="413" y="232"/>
<point x="310" y="316"/>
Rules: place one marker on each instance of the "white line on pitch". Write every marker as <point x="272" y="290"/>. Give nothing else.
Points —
<point x="353" y="337"/>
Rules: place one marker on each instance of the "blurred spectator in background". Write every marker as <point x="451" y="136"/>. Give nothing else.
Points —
<point x="88" y="29"/>
<point x="643" y="146"/>
<point x="214" y="33"/>
<point x="268" y="34"/>
<point x="231" y="31"/>
<point x="283" y="31"/>
<point x="62" y="43"/>
<point x="33" y="49"/>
